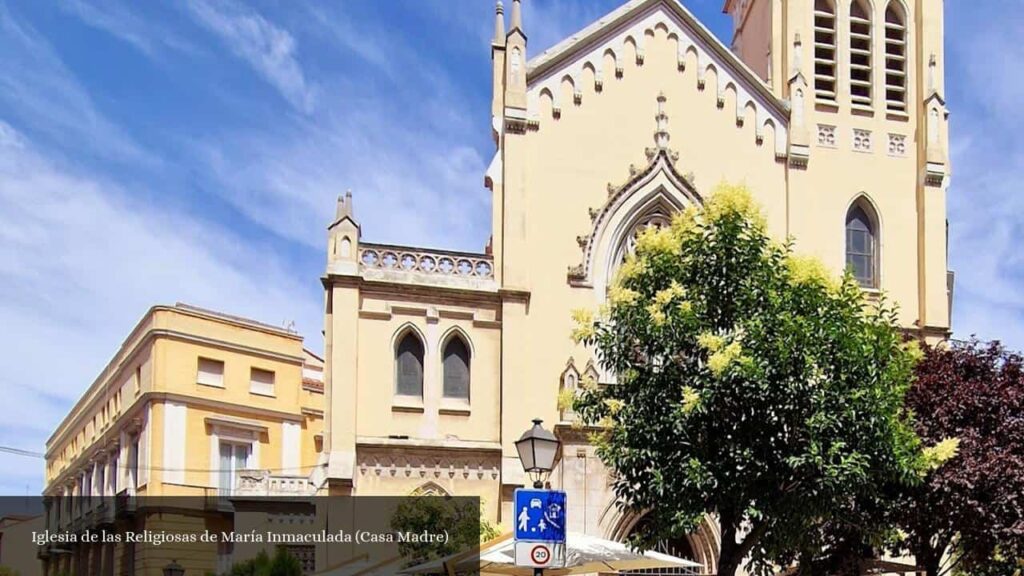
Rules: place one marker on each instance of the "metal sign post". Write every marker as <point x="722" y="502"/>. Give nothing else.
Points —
<point x="540" y="529"/>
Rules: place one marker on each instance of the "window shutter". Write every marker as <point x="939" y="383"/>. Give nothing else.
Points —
<point x="261" y="382"/>
<point x="210" y="372"/>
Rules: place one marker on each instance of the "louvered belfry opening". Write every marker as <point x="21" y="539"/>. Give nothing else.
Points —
<point x="825" y="50"/>
<point x="895" y="58"/>
<point x="860" y="54"/>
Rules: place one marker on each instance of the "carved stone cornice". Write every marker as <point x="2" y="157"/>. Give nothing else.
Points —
<point x="427" y="464"/>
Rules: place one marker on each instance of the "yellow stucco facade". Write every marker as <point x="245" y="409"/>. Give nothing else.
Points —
<point x="194" y="403"/>
<point x="625" y="122"/>
<point x="830" y="111"/>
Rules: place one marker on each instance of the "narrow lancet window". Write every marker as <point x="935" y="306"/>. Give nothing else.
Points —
<point x="860" y="53"/>
<point x="825" y="50"/>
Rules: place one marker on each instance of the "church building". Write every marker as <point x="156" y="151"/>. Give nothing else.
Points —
<point x="831" y="112"/>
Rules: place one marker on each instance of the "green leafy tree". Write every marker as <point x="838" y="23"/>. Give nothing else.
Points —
<point x="281" y="564"/>
<point x="461" y="518"/>
<point x="751" y="385"/>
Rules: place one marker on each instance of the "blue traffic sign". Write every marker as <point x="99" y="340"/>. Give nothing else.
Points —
<point x="540" y="515"/>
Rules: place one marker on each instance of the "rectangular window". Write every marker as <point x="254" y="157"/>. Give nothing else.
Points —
<point x="114" y="473"/>
<point x="133" y="465"/>
<point x="233" y="459"/>
<point x="137" y="383"/>
<point x="261" y="382"/>
<point x="860" y="257"/>
<point x="210" y="372"/>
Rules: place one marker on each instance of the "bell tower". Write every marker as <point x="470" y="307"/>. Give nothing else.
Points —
<point x="865" y="83"/>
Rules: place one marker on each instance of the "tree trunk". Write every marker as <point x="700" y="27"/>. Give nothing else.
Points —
<point x="730" y="555"/>
<point x="927" y="557"/>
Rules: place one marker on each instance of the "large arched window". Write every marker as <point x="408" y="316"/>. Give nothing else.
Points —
<point x="860" y="53"/>
<point x="456" y="368"/>
<point x="409" y="365"/>
<point x="862" y="244"/>
<point x="825" y="50"/>
<point x="895" y="58"/>
<point x="657" y="219"/>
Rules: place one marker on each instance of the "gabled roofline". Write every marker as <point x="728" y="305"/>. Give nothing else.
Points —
<point x="342" y="219"/>
<point x="592" y="34"/>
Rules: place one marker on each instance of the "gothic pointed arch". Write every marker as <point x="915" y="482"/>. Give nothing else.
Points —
<point x="429" y="489"/>
<point x="410" y="349"/>
<point x="863" y="246"/>
<point x="569" y="383"/>
<point x="456" y="362"/>
<point x="702" y="545"/>
<point x="650" y="197"/>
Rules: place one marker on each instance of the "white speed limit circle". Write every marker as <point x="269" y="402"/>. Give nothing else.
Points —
<point x="540" y="554"/>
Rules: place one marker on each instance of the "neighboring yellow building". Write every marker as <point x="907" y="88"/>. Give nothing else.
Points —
<point x="15" y="556"/>
<point x="831" y="112"/>
<point x="194" y="403"/>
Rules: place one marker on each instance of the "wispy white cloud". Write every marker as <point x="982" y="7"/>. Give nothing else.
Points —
<point x="269" y="49"/>
<point x="117" y="19"/>
<point x="410" y="186"/>
<point x="405" y="148"/>
<point x="986" y="209"/>
<point x="81" y="260"/>
<point x="549" y="22"/>
<point x="46" y="97"/>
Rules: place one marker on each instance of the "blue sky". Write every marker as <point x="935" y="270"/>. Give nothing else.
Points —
<point x="191" y="151"/>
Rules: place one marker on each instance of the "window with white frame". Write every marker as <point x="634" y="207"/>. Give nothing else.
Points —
<point x="261" y="382"/>
<point x="234" y="457"/>
<point x="210" y="372"/>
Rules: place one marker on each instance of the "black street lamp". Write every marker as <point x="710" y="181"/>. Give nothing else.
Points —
<point x="537" y="451"/>
<point x="174" y="569"/>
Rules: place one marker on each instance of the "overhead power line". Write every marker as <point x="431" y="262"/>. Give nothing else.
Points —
<point x="20" y="452"/>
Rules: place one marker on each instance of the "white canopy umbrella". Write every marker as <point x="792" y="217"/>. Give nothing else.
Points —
<point x="583" y="555"/>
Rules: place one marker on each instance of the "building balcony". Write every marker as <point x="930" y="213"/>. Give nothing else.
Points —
<point x="103" y="512"/>
<point x="124" y="504"/>
<point x="261" y="483"/>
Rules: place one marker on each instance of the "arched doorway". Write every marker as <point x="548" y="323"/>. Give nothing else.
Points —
<point x="701" y="546"/>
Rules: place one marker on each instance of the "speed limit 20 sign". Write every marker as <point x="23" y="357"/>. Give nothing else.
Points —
<point x="537" y="554"/>
<point x="540" y="528"/>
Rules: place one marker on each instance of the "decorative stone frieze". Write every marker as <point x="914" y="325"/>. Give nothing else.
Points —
<point x="862" y="140"/>
<point x="429" y="464"/>
<point x="826" y="136"/>
<point x="378" y="256"/>
<point x="897" y="145"/>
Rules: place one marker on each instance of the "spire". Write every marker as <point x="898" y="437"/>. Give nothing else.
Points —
<point x="344" y="206"/>
<point x="499" y="24"/>
<point x="517" y="16"/>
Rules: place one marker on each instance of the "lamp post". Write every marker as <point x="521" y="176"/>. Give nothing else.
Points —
<point x="174" y="569"/>
<point x="537" y="451"/>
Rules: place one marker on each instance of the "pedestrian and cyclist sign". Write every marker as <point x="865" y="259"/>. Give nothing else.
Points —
<point x="540" y="528"/>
